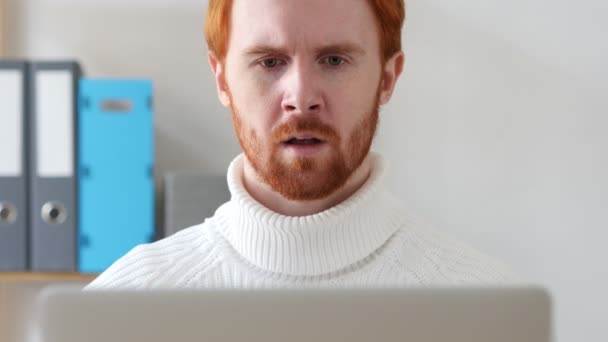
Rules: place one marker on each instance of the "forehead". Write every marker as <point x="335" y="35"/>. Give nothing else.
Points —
<point x="295" y="24"/>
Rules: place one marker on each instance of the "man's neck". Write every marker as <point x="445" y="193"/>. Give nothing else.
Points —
<point x="276" y="202"/>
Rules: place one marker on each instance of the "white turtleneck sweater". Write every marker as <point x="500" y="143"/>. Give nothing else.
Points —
<point x="367" y="240"/>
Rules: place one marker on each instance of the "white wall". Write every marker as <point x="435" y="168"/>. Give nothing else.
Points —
<point x="496" y="132"/>
<point x="499" y="135"/>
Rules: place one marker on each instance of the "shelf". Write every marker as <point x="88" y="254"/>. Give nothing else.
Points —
<point x="44" y="277"/>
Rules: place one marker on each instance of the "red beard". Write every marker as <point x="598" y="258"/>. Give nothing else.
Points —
<point x="307" y="178"/>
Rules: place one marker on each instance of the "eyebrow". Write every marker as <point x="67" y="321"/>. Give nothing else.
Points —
<point x="342" y="48"/>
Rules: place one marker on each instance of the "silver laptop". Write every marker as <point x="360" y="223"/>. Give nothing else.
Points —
<point x="353" y="315"/>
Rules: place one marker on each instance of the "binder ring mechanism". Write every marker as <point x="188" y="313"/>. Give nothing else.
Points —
<point x="53" y="213"/>
<point x="8" y="213"/>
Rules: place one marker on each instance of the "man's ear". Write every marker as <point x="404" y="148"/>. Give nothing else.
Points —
<point x="392" y="70"/>
<point x="220" y="79"/>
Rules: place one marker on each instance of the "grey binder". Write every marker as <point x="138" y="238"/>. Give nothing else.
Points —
<point x="53" y="205"/>
<point x="190" y="198"/>
<point x="13" y="165"/>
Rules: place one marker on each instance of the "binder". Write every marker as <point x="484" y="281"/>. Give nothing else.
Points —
<point x="190" y="198"/>
<point x="116" y="178"/>
<point x="13" y="165"/>
<point x="53" y="152"/>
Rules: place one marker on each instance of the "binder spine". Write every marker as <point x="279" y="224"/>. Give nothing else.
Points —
<point x="13" y="165"/>
<point x="116" y="177"/>
<point x="53" y="153"/>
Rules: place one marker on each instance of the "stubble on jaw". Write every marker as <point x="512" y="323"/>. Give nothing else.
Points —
<point x="306" y="179"/>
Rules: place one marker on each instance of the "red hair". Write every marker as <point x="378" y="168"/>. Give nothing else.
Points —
<point x="390" y="15"/>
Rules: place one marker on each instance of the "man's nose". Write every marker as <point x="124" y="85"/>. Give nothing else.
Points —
<point x="303" y="94"/>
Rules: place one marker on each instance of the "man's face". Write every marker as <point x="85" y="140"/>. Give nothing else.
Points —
<point x="303" y="82"/>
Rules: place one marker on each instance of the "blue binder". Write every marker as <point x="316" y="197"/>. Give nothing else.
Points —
<point x="116" y="181"/>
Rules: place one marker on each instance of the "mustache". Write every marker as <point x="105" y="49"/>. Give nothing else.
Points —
<point x="308" y="125"/>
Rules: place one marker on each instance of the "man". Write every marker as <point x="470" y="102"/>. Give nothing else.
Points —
<point x="304" y="81"/>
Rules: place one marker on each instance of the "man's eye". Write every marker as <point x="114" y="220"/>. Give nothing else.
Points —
<point x="270" y="62"/>
<point x="334" y="60"/>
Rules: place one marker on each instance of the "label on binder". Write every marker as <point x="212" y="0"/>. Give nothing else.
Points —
<point x="11" y="123"/>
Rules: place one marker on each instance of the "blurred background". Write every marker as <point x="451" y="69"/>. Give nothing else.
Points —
<point x="496" y="133"/>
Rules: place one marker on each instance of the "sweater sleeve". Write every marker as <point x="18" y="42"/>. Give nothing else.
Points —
<point x="153" y="265"/>
<point x="129" y="272"/>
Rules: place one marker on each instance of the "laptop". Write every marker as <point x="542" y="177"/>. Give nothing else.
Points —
<point x="520" y="314"/>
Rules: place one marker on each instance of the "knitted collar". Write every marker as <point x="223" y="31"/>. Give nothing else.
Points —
<point x="309" y="245"/>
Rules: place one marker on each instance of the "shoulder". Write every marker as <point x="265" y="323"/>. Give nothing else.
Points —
<point x="161" y="263"/>
<point x="437" y="258"/>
